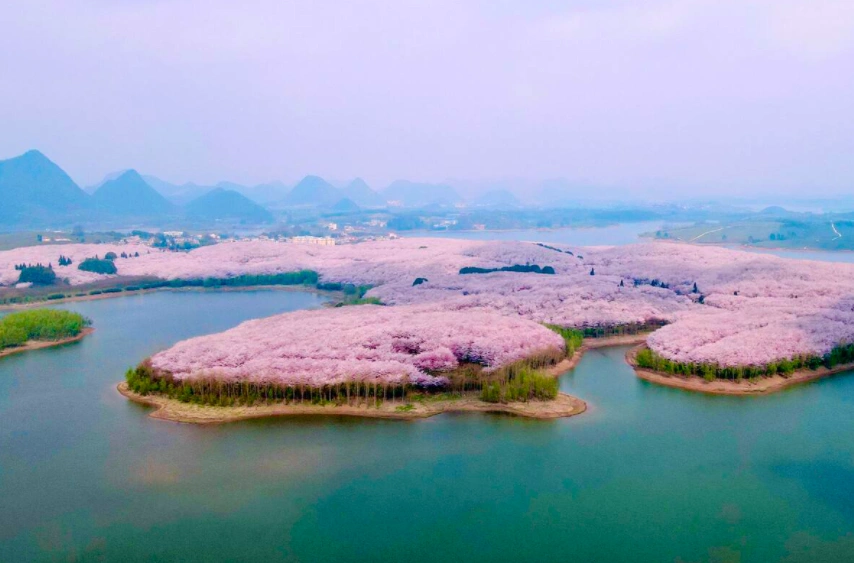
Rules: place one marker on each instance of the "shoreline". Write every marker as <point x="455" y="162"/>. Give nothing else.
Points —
<point x="749" y="247"/>
<point x="745" y="387"/>
<point x="39" y="344"/>
<point x="563" y="406"/>
<point x="592" y="344"/>
<point x="75" y="298"/>
<point x="175" y="411"/>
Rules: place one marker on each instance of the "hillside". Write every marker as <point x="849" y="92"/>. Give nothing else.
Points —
<point x="311" y="191"/>
<point x="130" y="195"/>
<point x="227" y="205"/>
<point x="362" y="194"/>
<point x="497" y="198"/>
<point x="177" y="194"/>
<point x="415" y="194"/>
<point x="34" y="189"/>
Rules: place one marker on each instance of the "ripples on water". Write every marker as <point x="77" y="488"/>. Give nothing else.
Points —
<point x="648" y="474"/>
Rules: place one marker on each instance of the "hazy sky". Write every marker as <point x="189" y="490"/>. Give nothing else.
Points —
<point x="721" y="96"/>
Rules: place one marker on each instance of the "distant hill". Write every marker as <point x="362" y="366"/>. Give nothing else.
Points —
<point x="362" y="194"/>
<point x="775" y="210"/>
<point x="177" y="194"/>
<point x="130" y="195"/>
<point x="313" y="191"/>
<point x="34" y="189"/>
<point x="227" y="205"/>
<point x="414" y="194"/>
<point x="497" y="198"/>
<point x="346" y="205"/>
<point x="260" y="193"/>
<point x="111" y="176"/>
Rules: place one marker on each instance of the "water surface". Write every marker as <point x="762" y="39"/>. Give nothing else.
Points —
<point x="612" y="235"/>
<point x="649" y="474"/>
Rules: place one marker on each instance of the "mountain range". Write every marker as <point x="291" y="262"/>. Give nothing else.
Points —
<point x="32" y="189"/>
<point x="36" y="192"/>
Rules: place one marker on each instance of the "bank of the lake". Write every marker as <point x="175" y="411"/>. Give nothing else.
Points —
<point x="327" y="294"/>
<point x="754" y="386"/>
<point x="176" y="411"/>
<point x="39" y="344"/>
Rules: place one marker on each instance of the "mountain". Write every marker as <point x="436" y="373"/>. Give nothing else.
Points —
<point x="111" y="176"/>
<point x="34" y="189"/>
<point x="130" y="195"/>
<point x="414" y="194"/>
<point x="220" y="204"/>
<point x="260" y="193"/>
<point x="177" y="194"/>
<point x="497" y="198"/>
<point x="346" y="205"/>
<point x="313" y="191"/>
<point x="361" y="193"/>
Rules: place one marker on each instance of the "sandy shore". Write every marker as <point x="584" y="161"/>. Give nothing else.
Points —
<point x="758" y="386"/>
<point x="176" y="411"/>
<point x="37" y="344"/>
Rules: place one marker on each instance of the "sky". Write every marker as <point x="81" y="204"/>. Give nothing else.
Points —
<point x="691" y="97"/>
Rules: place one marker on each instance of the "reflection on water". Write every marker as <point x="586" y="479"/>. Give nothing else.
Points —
<point x="648" y="474"/>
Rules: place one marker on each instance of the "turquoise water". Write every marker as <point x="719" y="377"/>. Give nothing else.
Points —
<point x="649" y="474"/>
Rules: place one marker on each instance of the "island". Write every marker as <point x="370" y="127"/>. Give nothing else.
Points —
<point x="388" y="362"/>
<point x="742" y="379"/>
<point x="40" y="328"/>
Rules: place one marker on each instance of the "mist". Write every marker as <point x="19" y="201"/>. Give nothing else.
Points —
<point x="664" y="99"/>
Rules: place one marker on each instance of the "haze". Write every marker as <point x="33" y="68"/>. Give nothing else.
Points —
<point x="693" y="97"/>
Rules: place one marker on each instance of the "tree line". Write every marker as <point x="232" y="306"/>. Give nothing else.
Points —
<point x="838" y="355"/>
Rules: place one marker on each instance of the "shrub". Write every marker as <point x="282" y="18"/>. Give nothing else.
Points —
<point x="37" y="275"/>
<point x="519" y="268"/>
<point x="97" y="266"/>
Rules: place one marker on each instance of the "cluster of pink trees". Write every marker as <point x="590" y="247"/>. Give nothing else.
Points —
<point x="574" y="299"/>
<point x="49" y="254"/>
<point x="724" y="306"/>
<point x="388" y="345"/>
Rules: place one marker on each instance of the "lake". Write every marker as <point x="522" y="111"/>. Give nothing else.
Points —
<point x="617" y="235"/>
<point x="612" y="235"/>
<point x="648" y="474"/>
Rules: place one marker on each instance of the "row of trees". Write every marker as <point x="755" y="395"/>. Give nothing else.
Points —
<point x="518" y="268"/>
<point x="620" y="329"/>
<point x="841" y="354"/>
